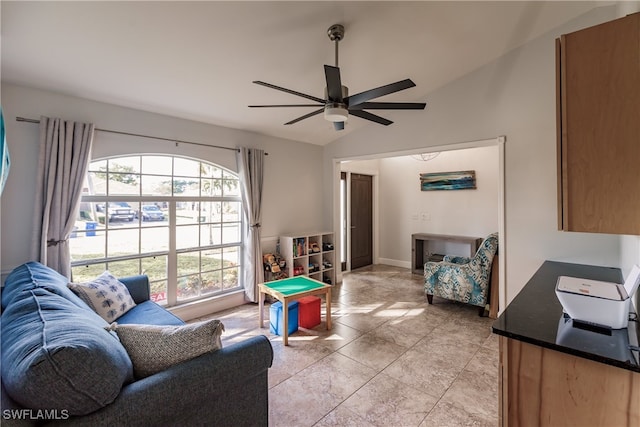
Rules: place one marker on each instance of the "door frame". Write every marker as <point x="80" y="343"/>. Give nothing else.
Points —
<point x="374" y="217"/>
<point x="498" y="141"/>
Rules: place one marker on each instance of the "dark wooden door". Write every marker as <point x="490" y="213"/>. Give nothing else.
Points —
<point x="361" y="220"/>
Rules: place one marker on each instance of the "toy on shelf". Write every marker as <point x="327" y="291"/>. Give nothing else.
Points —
<point x="309" y="254"/>
<point x="299" y="247"/>
<point x="275" y="264"/>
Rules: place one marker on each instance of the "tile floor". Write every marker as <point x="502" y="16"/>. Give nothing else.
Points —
<point x="390" y="360"/>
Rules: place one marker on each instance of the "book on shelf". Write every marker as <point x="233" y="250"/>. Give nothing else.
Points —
<point x="299" y="247"/>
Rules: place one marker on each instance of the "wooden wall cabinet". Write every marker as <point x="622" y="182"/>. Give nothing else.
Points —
<point x="598" y="127"/>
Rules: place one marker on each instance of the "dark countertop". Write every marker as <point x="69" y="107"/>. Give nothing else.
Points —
<point x="535" y="316"/>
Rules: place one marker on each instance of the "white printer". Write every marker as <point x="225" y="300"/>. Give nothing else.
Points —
<point x="601" y="303"/>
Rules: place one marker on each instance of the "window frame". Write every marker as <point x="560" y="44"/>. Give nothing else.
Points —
<point x="172" y="201"/>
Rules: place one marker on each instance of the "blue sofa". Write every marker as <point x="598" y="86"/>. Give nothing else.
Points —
<point x="56" y="352"/>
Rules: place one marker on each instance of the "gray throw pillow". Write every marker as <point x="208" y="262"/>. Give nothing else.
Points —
<point x="154" y="348"/>
<point x="106" y="295"/>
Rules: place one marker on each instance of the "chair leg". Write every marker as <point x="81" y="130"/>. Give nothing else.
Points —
<point x="483" y="312"/>
<point x="430" y="298"/>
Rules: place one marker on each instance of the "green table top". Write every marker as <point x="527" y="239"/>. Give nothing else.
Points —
<point x="294" y="285"/>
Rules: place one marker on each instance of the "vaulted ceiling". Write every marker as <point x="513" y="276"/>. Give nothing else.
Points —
<point x="197" y="60"/>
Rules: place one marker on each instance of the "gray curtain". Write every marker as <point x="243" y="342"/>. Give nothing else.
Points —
<point x="65" y="151"/>
<point x="251" y="172"/>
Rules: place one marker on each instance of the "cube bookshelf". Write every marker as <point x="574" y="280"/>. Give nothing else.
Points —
<point x="310" y="254"/>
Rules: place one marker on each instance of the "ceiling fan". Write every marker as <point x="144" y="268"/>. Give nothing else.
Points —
<point x="338" y="105"/>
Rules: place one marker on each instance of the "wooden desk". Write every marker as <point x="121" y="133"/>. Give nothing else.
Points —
<point x="290" y="289"/>
<point x="420" y="240"/>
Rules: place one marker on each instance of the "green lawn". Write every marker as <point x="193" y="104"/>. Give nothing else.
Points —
<point x="190" y="285"/>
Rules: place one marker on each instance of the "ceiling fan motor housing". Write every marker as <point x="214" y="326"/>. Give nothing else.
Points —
<point x="336" y="111"/>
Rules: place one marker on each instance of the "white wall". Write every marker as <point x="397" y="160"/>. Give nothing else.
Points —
<point x="364" y="167"/>
<point x="630" y="252"/>
<point x="464" y="212"/>
<point x="292" y="172"/>
<point x="513" y="96"/>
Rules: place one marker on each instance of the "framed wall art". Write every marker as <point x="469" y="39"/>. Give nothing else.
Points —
<point x="461" y="180"/>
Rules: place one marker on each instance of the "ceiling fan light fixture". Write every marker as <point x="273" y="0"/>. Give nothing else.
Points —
<point x="337" y="103"/>
<point x="336" y="112"/>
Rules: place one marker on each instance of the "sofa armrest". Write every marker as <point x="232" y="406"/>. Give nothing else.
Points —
<point x="228" y="387"/>
<point x="138" y="287"/>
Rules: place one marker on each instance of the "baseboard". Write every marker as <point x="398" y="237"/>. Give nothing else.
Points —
<point x="395" y="262"/>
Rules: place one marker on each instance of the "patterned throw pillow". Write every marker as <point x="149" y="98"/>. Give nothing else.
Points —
<point x="106" y="295"/>
<point x="154" y="348"/>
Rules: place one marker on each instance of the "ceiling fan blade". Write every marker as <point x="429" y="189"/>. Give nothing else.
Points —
<point x="361" y="97"/>
<point x="334" y="84"/>
<point x="292" y="92"/>
<point x="306" y="116"/>
<point x="338" y="125"/>
<point x="284" y="105"/>
<point x="368" y="116"/>
<point x="390" y="106"/>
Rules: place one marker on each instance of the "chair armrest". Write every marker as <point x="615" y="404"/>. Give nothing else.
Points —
<point x="434" y="269"/>
<point x="138" y="287"/>
<point x="228" y="387"/>
<point x="456" y="259"/>
<point x="431" y="268"/>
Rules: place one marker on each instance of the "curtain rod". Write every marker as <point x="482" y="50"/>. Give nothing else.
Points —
<point x="22" y="119"/>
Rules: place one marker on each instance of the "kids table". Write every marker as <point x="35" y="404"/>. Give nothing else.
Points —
<point x="290" y="289"/>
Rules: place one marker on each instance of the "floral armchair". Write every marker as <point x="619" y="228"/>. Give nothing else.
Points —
<point x="460" y="278"/>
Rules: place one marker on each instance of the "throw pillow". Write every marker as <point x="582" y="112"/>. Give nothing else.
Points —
<point x="106" y="295"/>
<point x="154" y="348"/>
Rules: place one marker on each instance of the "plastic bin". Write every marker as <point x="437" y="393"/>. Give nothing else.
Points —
<point x="276" y="320"/>
<point x="309" y="311"/>
<point x="91" y="228"/>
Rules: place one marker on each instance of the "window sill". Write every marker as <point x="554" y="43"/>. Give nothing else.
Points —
<point x="208" y="306"/>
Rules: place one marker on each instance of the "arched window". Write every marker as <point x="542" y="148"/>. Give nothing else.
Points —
<point x="174" y="219"/>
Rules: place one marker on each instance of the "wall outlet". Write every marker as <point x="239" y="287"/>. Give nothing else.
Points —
<point x="425" y="216"/>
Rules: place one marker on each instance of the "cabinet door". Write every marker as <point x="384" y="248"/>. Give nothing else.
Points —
<point x="540" y="387"/>
<point x="599" y="128"/>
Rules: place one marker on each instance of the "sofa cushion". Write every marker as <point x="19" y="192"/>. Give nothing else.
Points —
<point x="106" y="295"/>
<point x="56" y="355"/>
<point x="154" y="348"/>
<point x="149" y="312"/>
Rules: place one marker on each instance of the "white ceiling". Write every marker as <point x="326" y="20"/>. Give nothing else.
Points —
<point x="196" y="60"/>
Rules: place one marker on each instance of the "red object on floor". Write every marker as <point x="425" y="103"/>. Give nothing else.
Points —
<point x="309" y="311"/>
